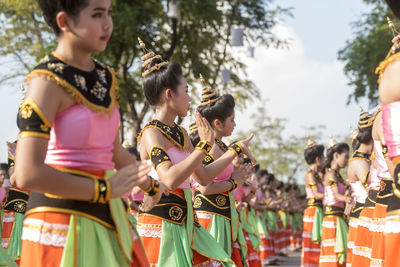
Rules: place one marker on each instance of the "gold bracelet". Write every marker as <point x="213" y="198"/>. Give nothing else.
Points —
<point x="96" y="191"/>
<point x="236" y="148"/>
<point x="151" y="185"/>
<point x="104" y="191"/>
<point x="204" y="146"/>
<point x="234" y="184"/>
<point x="154" y="188"/>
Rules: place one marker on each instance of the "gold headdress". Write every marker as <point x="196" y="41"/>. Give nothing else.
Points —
<point x="393" y="53"/>
<point x="310" y="142"/>
<point x="365" y="119"/>
<point x="148" y="58"/>
<point x="208" y="95"/>
<point x="353" y="133"/>
<point x="193" y="128"/>
<point x="332" y="142"/>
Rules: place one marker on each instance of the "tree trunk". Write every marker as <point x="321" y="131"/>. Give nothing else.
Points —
<point x="122" y="128"/>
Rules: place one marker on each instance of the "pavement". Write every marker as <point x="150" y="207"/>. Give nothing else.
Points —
<point x="294" y="259"/>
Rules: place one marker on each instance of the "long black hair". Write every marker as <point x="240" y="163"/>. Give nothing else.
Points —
<point x="50" y="9"/>
<point x="339" y="148"/>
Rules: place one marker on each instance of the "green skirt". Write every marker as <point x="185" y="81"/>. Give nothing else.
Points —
<point x="90" y="243"/>
<point x="226" y="231"/>
<point x="179" y="241"/>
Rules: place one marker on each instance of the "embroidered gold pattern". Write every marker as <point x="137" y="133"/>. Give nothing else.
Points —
<point x="57" y="67"/>
<point x="99" y="91"/>
<point x="175" y="213"/>
<point x="44" y="128"/>
<point x="102" y="76"/>
<point x="26" y="111"/>
<point x="80" y="81"/>
<point x="20" y="206"/>
<point x="383" y="186"/>
<point x="328" y="209"/>
<point x="221" y="145"/>
<point x="156" y="152"/>
<point x="44" y="60"/>
<point x="197" y="203"/>
<point x="221" y="201"/>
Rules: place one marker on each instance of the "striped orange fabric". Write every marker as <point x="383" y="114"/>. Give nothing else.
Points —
<point x="328" y="257"/>
<point x="279" y="238"/>
<point x="392" y="239"/>
<point x="37" y="254"/>
<point x="353" y="223"/>
<point x="236" y="256"/>
<point x="378" y="241"/>
<point x="48" y="249"/>
<point x="253" y="259"/>
<point x="363" y="243"/>
<point x="310" y="251"/>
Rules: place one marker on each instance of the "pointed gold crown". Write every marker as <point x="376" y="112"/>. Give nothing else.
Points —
<point x="193" y="128"/>
<point x="208" y="95"/>
<point x="392" y="52"/>
<point x="396" y="36"/>
<point x="332" y="142"/>
<point x="148" y="57"/>
<point x="353" y="133"/>
<point x="23" y="91"/>
<point x="365" y="119"/>
<point x="310" y="142"/>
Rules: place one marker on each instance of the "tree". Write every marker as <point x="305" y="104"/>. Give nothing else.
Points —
<point x="281" y="155"/>
<point x="369" y="47"/>
<point x="199" y="39"/>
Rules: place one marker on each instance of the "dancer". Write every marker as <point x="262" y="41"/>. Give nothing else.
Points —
<point x="68" y="140"/>
<point x="381" y="163"/>
<point x="334" y="228"/>
<point x="314" y="156"/>
<point x="170" y="232"/>
<point x="358" y="172"/>
<point x="389" y="95"/>
<point x="363" y="241"/>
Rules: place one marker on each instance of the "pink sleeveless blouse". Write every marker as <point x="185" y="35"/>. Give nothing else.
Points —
<point x="82" y="138"/>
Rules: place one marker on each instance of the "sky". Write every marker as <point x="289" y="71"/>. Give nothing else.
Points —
<point x="304" y="84"/>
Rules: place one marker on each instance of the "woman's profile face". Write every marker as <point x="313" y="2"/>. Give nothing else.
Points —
<point x="342" y="159"/>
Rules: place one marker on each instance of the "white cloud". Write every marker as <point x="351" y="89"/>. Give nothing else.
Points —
<point x="303" y="90"/>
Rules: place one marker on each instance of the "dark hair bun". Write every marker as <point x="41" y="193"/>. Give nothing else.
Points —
<point x="50" y="9"/>
<point x="312" y="153"/>
<point x="221" y="109"/>
<point x="168" y="76"/>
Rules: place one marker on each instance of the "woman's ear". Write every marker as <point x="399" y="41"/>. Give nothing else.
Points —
<point x="63" y="21"/>
<point x="335" y="155"/>
<point x="217" y="124"/>
<point x="168" y="94"/>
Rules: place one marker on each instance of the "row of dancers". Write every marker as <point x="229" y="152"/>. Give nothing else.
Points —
<point x="202" y="202"/>
<point x="356" y="222"/>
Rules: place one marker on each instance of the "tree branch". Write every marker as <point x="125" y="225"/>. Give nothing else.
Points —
<point x="174" y="39"/>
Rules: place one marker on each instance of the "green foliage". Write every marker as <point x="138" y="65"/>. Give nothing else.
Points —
<point x="363" y="53"/>
<point x="281" y="155"/>
<point x="199" y="40"/>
